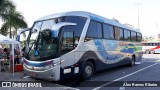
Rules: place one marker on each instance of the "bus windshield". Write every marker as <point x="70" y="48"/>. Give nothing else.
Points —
<point x="41" y="45"/>
<point x="44" y="39"/>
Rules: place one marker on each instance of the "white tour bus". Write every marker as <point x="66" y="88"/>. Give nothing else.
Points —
<point x="78" y="43"/>
<point x="151" y="47"/>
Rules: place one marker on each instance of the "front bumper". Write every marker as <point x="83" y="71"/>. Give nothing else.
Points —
<point x="52" y="74"/>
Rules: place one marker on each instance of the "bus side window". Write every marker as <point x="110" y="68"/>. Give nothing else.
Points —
<point x="139" y="37"/>
<point x="106" y="32"/>
<point x="67" y="42"/>
<point x="129" y="35"/>
<point x="133" y="36"/>
<point x="125" y="35"/>
<point x="94" y="31"/>
<point x="111" y="31"/>
<point x="121" y="36"/>
<point x="99" y="30"/>
<point x="118" y="33"/>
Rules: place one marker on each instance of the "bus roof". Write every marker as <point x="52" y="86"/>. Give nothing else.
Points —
<point x="88" y="15"/>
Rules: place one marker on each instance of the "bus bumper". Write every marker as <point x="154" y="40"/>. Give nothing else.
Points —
<point x="52" y="74"/>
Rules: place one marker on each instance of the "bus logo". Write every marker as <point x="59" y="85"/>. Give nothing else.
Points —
<point x="6" y="84"/>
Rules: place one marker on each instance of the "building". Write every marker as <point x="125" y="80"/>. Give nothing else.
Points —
<point x="151" y="38"/>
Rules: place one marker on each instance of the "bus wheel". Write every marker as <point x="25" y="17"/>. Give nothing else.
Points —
<point x="88" y="70"/>
<point x="147" y="52"/>
<point x="132" y="61"/>
<point x="152" y="52"/>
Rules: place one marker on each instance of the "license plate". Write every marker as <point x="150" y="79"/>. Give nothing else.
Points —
<point x="33" y="74"/>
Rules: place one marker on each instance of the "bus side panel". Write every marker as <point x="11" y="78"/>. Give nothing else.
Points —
<point x="99" y="64"/>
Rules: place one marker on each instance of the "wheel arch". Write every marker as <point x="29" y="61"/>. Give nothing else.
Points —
<point x="92" y="60"/>
<point x="134" y="56"/>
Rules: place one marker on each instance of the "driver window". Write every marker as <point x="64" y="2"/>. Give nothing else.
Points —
<point x="67" y="43"/>
<point x="36" y="27"/>
<point x="47" y="25"/>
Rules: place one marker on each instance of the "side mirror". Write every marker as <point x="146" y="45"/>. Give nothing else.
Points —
<point x="54" y="33"/>
<point x="20" y="32"/>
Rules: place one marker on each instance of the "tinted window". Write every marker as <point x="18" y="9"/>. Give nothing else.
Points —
<point x="121" y="34"/>
<point x="92" y="30"/>
<point x="106" y="33"/>
<point x="99" y="30"/>
<point x="80" y="21"/>
<point x="133" y="36"/>
<point x="111" y="32"/>
<point x="47" y="25"/>
<point x="77" y="29"/>
<point x="129" y="35"/>
<point x="126" y="35"/>
<point x="139" y="37"/>
<point x="118" y="33"/>
<point x="67" y="42"/>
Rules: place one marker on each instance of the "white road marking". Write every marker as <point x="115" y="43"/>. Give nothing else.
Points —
<point x="67" y="88"/>
<point x="124" y="77"/>
<point x="137" y="62"/>
<point x="26" y="77"/>
<point x="122" y="88"/>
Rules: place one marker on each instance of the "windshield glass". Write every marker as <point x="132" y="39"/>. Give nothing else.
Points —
<point x="43" y="40"/>
<point x="33" y="34"/>
<point x="39" y="43"/>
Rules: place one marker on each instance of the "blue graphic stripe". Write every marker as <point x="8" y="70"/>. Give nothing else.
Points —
<point x="40" y="64"/>
<point x="101" y="49"/>
<point x="111" y="45"/>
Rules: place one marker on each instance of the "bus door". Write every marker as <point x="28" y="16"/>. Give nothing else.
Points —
<point x="66" y="47"/>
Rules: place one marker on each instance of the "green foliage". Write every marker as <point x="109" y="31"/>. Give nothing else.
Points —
<point x="12" y="19"/>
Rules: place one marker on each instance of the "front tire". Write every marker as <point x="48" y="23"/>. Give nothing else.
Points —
<point x="88" y="70"/>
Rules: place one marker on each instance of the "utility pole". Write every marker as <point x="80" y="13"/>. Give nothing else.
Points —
<point x="157" y="27"/>
<point x="138" y="5"/>
<point x="157" y="24"/>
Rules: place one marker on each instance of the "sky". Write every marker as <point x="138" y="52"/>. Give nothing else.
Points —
<point x="126" y="11"/>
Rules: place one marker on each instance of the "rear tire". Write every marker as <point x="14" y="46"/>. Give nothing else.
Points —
<point x="132" y="61"/>
<point x="152" y="52"/>
<point x="147" y="51"/>
<point x="88" y="70"/>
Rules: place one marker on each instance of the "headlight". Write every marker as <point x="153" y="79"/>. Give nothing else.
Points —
<point x="48" y="67"/>
<point x="59" y="62"/>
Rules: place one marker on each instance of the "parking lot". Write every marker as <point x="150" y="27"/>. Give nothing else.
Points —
<point x="148" y="70"/>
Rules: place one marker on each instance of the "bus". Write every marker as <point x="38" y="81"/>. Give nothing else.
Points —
<point x="150" y="47"/>
<point x="78" y="43"/>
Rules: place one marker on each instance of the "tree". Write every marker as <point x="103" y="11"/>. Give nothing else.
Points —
<point x="13" y="20"/>
<point x="5" y="7"/>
